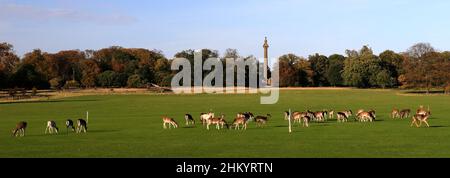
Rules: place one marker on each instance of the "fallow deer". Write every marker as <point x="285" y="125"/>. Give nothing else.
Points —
<point x="418" y="119"/>
<point x="395" y="113"/>
<point x="331" y="114"/>
<point x="20" y="129"/>
<point x="81" y="126"/>
<point x="240" y="121"/>
<point x="220" y="122"/>
<point x="170" y="122"/>
<point x="204" y="117"/>
<point x="189" y="119"/>
<point x="405" y="113"/>
<point x="69" y="124"/>
<point x="51" y="127"/>
<point x="262" y="120"/>
<point x="365" y="116"/>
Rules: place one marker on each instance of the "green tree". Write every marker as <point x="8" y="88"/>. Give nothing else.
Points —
<point x="135" y="81"/>
<point x="107" y="78"/>
<point x="334" y="71"/>
<point x="319" y="64"/>
<point x="28" y="77"/>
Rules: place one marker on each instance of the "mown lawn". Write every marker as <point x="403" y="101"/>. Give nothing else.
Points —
<point x="131" y="126"/>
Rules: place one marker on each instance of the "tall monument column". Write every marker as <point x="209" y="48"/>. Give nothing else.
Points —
<point x="266" y="60"/>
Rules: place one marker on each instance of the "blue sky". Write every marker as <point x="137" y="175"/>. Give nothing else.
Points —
<point x="302" y="27"/>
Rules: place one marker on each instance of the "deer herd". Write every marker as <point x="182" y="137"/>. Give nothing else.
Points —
<point x="301" y="118"/>
<point x="242" y="119"/>
<point x="51" y="127"/>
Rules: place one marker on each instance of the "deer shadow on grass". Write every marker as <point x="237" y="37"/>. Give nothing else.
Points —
<point x="438" y="126"/>
<point x="63" y="132"/>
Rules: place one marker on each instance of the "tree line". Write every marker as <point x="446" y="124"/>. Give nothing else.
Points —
<point x="421" y="66"/>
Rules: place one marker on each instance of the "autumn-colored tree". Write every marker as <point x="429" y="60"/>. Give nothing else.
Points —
<point x="8" y="63"/>
<point x="90" y="70"/>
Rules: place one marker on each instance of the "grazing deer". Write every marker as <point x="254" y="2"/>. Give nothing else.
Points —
<point x="51" y="127"/>
<point x="342" y="117"/>
<point x="20" y="129"/>
<point x="297" y="116"/>
<point x="306" y="120"/>
<point x="405" y="113"/>
<point x="365" y="117"/>
<point x="286" y="115"/>
<point x="311" y="115"/>
<point x="262" y="120"/>
<point x="422" y="111"/>
<point x="320" y="116"/>
<point x="240" y="121"/>
<point x="81" y="126"/>
<point x="373" y="113"/>
<point x="331" y="114"/>
<point x="360" y="111"/>
<point x="69" y="124"/>
<point x="204" y="117"/>
<point x="419" y="118"/>
<point x="170" y="121"/>
<point x="247" y="115"/>
<point x="220" y="122"/>
<point x="395" y="113"/>
<point x="189" y="119"/>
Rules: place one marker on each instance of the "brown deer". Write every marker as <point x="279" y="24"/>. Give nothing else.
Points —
<point x="20" y="129"/>
<point x="365" y="117"/>
<point x="405" y="113"/>
<point x="262" y="120"/>
<point x="395" y="113"/>
<point x="418" y="119"/>
<point x="422" y="111"/>
<point x="320" y="116"/>
<point x="220" y="122"/>
<point x="240" y="121"/>
<point x="170" y="122"/>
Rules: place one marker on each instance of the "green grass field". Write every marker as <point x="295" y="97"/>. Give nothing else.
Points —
<point x="131" y="126"/>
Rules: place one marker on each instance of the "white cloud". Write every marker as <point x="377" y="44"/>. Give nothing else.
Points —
<point x="26" y="12"/>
